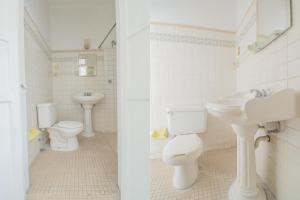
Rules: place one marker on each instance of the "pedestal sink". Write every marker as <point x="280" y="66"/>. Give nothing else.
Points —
<point x="88" y="100"/>
<point x="244" y="111"/>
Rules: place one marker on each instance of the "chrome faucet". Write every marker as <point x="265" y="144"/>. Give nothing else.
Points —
<point x="257" y="92"/>
<point x="261" y="93"/>
<point x="87" y="94"/>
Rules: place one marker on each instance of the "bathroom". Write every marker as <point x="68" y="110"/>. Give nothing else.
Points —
<point x="149" y="99"/>
<point x="64" y="64"/>
<point x="204" y="51"/>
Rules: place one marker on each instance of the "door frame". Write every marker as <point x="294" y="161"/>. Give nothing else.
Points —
<point x="133" y="100"/>
<point x="133" y="71"/>
<point x="13" y="95"/>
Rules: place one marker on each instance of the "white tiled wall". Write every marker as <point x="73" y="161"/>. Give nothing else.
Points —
<point x="190" y="67"/>
<point x="66" y="83"/>
<point x="38" y="78"/>
<point x="277" y="67"/>
<point x="73" y="21"/>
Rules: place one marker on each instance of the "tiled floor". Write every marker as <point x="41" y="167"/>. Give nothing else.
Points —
<point x="217" y="172"/>
<point x="87" y="174"/>
<point x="91" y="174"/>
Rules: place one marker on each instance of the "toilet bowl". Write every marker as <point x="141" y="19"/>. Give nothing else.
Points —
<point x="185" y="148"/>
<point x="63" y="134"/>
<point x="183" y="152"/>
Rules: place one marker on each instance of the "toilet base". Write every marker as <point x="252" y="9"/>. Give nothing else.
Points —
<point x="185" y="175"/>
<point x="71" y="144"/>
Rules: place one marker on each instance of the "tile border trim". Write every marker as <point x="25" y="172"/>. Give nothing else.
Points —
<point x="192" y="40"/>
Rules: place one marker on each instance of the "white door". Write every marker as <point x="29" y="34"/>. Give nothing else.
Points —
<point x="13" y="161"/>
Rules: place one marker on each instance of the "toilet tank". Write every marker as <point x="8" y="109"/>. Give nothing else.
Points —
<point x="186" y="120"/>
<point x="46" y="115"/>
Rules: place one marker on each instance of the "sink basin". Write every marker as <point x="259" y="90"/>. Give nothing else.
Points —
<point x="280" y="106"/>
<point x="88" y="100"/>
<point x="244" y="111"/>
<point x="231" y="108"/>
<point x="244" y="108"/>
<point x="85" y="99"/>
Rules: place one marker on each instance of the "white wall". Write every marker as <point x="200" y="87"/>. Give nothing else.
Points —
<point x="67" y="23"/>
<point x="191" y="67"/>
<point x="39" y="11"/>
<point x="38" y="71"/>
<point x="66" y="83"/>
<point x="73" y="21"/>
<point x="242" y="7"/>
<point x="38" y="76"/>
<point x="204" y="13"/>
<point x="277" y="67"/>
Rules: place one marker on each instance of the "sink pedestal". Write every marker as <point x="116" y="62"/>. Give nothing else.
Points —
<point x="88" y="127"/>
<point x="244" y="111"/>
<point x="87" y="101"/>
<point x="245" y="186"/>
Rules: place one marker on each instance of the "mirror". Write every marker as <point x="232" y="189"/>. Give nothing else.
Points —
<point x="87" y="65"/>
<point x="273" y="18"/>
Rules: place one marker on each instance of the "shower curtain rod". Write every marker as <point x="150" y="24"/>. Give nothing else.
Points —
<point x="109" y="32"/>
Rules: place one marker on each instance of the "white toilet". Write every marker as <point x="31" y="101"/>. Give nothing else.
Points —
<point x="63" y="135"/>
<point x="183" y="151"/>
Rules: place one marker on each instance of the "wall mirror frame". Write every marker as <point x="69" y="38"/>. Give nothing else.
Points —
<point x="87" y="65"/>
<point x="273" y="18"/>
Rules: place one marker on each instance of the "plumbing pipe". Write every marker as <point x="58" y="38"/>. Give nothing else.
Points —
<point x="267" y="129"/>
<point x="106" y="36"/>
<point x="258" y="140"/>
<point x="261" y="135"/>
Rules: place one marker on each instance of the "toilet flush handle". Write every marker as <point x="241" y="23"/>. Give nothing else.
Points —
<point x="170" y="113"/>
<point x="179" y="155"/>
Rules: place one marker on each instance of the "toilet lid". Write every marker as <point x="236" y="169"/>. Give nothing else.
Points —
<point x="69" y="124"/>
<point x="183" y="144"/>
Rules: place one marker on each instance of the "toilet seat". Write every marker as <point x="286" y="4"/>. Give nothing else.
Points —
<point x="69" y="124"/>
<point x="183" y="145"/>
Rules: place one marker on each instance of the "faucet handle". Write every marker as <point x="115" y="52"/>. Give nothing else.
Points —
<point x="261" y="93"/>
<point x="267" y="92"/>
<point x="257" y="93"/>
<point x="87" y="93"/>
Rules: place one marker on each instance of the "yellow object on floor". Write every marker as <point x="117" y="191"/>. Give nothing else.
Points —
<point x="161" y="133"/>
<point x="33" y="133"/>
